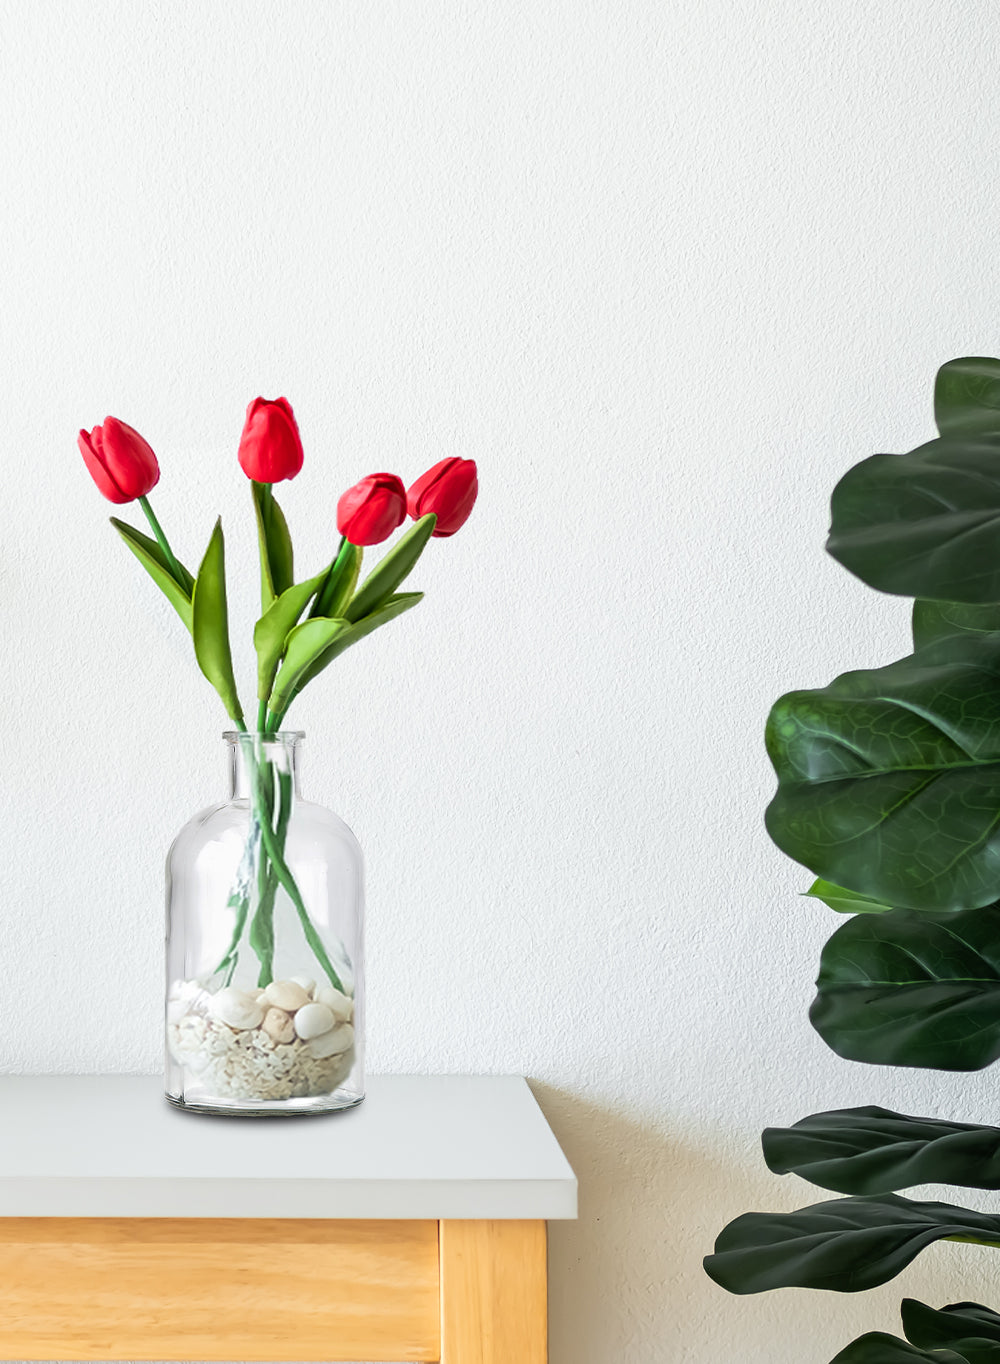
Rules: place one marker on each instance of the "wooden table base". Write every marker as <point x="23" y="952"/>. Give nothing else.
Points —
<point x="268" y="1289"/>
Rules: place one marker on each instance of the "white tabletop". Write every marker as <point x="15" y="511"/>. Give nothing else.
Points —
<point x="438" y="1146"/>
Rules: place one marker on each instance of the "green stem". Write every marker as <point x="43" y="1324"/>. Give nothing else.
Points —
<point x="287" y="880"/>
<point x="262" y="927"/>
<point x="262" y="717"/>
<point x="161" y="540"/>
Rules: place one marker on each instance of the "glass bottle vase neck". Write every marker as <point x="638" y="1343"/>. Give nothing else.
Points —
<point x="252" y="755"/>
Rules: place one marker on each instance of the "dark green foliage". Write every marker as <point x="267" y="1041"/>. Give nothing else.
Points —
<point x="878" y="1348"/>
<point x="873" y="1151"/>
<point x="934" y="620"/>
<point x="846" y="1245"/>
<point x="889" y="792"/>
<point x="905" y="989"/>
<point x="964" y="1333"/>
<point x="926" y="524"/>
<point x="889" y="779"/>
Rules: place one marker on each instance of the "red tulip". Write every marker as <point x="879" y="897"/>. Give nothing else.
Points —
<point x="449" y="490"/>
<point x="369" y="512"/>
<point x="121" y="463"/>
<point x="270" y="446"/>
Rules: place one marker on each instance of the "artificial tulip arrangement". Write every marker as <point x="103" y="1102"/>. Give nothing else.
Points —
<point x="291" y="651"/>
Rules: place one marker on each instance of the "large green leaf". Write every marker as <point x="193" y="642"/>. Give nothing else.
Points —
<point x="845" y="901"/>
<point x="383" y="580"/>
<point x="926" y="524"/>
<point x="847" y="1244"/>
<point x="873" y="1150"/>
<point x="963" y="1326"/>
<point x="271" y="631"/>
<point x="313" y="645"/>
<point x="276" y="559"/>
<point x="210" y="625"/>
<point x="934" y="620"/>
<point x="156" y="564"/>
<point x="906" y="989"/>
<point x="967" y="396"/>
<point x="889" y="779"/>
<point x="879" y="1348"/>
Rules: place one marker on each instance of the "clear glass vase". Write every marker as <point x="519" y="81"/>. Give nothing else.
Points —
<point x="265" y="892"/>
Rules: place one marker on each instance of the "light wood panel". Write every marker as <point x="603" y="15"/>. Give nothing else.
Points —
<point x="493" y="1293"/>
<point x="234" y="1288"/>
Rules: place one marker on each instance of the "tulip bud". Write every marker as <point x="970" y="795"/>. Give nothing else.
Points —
<point x="369" y="512"/>
<point x="270" y="446"/>
<point x="121" y="463"/>
<point x="449" y="490"/>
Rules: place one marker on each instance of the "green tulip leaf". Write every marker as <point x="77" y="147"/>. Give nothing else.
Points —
<point x="306" y="644"/>
<point x="963" y="1327"/>
<point x="271" y="631"/>
<point x="383" y="580"/>
<point x="313" y="645"/>
<point x="210" y="625"/>
<point x="926" y="524"/>
<point x="845" y="901"/>
<point x="933" y="620"/>
<point x="846" y="1245"/>
<point x="878" y="1348"/>
<point x="156" y="564"/>
<point x="341" y="580"/>
<point x="275" y="542"/>
<point x="873" y="1151"/>
<point x="967" y="397"/>
<point x="889" y="780"/>
<point x="907" y="989"/>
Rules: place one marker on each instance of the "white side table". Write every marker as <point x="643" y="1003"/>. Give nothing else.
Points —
<point x="410" y="1228"/>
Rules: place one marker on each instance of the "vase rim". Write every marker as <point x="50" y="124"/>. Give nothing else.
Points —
<point x="280" y="736"/>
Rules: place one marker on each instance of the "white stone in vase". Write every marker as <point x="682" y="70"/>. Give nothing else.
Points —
<point x="236" y="1009"/>
<point x="339" y="1004"/>
<point x="278" y="1025"/>
<point x="312" y="1020"/>
<point x="307" y="983"/>
<point x="286" y="994"/>
<point x="329" y="1043"/>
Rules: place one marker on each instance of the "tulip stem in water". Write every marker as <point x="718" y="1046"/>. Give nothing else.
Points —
<point x="161" y="540"/>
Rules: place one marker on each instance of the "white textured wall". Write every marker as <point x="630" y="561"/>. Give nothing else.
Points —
<point x="665" y="270"/>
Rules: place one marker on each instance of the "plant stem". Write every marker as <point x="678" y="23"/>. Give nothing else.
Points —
<point x="262" y="927"/>
<point x="262" y="717"/>
<point x="287" y="880"/>
<point x="161" y="540"/>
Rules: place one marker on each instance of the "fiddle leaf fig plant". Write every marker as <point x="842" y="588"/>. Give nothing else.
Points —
<point x="889" y="793"/>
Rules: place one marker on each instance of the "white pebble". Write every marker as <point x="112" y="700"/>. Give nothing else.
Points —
<point x="286" y="994"/>
<point x="278" y="1025"/>
<point x="238" y="1010"/>
<point x="307" y="983"/>
<point x="339" y="1005"/>
<point x="329" y="1043"/>
<point x="312" y="1020"/>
